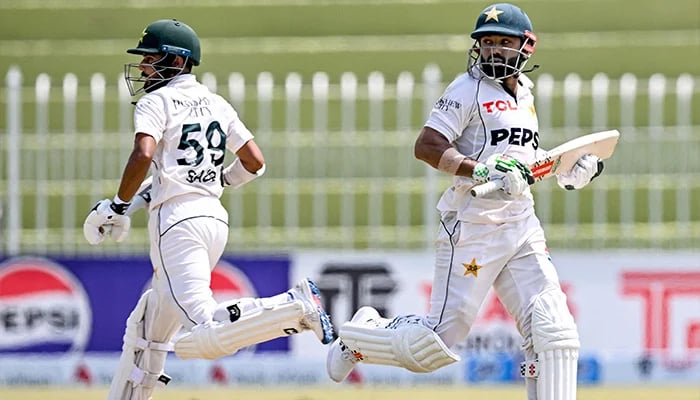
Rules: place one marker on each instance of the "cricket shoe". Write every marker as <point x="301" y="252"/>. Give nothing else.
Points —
<point x="315" y="317"/>
<point x="341" y="359"/>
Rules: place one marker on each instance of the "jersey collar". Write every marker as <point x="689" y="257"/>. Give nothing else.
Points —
<point x="182" y="79"/>
<point x="525" y="81"/>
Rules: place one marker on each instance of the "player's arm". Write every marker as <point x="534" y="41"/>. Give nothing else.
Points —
<point x="144" y="147"/>
<point x="433" y="148"/>
<point x="251" y="157"/>
<point x="110" y="216"/>
<point x="137" y="166"/>
<point x="248" y="165"/>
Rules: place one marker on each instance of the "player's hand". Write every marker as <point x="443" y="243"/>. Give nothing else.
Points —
<point x="585" y="169"/>
<point x="515" y="175"/>
<point x="106" y="218"/>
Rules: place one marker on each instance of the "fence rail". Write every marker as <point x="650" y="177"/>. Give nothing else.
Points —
<point x="341" y="172"/>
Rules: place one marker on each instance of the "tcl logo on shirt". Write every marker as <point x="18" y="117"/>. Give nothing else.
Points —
<point x="500" y="105"/>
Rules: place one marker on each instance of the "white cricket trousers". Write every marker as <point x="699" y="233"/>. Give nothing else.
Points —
<point x="188" y="235"/>
<point x="470" y="258"/>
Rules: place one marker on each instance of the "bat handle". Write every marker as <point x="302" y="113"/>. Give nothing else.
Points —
<point x="486" y="188"/>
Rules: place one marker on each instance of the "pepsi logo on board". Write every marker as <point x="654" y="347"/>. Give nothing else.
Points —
<point x="43" y="307"/>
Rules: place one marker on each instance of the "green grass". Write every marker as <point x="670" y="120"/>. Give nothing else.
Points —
<point x="581" y="37"/>
<point x="323" y="18"/>
<point x="352" y="393"/>
<point x="655" y="36"/>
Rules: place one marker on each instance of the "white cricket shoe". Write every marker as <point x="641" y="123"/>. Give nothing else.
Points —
<point x="340" y="359"/>
<point x="315" y="317"/>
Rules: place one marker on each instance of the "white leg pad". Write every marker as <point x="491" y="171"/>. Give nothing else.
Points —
<point x="219" y="339"/>
<point x="557" y="374"/>
<point x="555" y="340"/>
<point x="141" y="363"/>
<point x="404" y="342"/>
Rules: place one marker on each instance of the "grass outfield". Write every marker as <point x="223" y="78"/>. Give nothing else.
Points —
<point x="585" y="37"/>
<point x="345" y="393"/>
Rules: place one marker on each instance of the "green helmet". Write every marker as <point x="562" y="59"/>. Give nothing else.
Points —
<point x="501" y="62"/>
<point x="502" y="19"/>
<point x="169" y="36"/>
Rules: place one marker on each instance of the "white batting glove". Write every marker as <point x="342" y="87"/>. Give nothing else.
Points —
<point x="515" y="175"/>
<point x="586" y="168"/>
<point x="104" y="219"/>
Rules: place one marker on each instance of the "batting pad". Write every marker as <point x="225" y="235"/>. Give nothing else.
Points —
<point x="557" y="374"/>
<point x="555" y="341"/>
<point x="553" y="327"/>
<point x="409" y="345"/>
<point x="219" y="339"/>
<point x="141" y="363"/>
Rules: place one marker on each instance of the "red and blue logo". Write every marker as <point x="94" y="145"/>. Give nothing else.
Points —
<point x="43" y="307"/>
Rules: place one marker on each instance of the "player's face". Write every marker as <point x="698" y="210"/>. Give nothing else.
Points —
<point x="499" y="55"/>
<point x="154" y="71"/>
<point x="499" y="46"/>
<point x="148" y="71"/>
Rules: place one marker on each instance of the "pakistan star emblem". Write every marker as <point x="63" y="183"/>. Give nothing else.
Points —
<point x="472" y="268"/>
<point x="143" y="35"/>
<point x="493" y="14"/>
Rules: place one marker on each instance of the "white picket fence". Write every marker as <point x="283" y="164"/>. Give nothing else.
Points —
<point x="341" y="168"/>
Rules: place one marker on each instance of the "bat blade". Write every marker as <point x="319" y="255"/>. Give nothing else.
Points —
<point x="562" y="158"/>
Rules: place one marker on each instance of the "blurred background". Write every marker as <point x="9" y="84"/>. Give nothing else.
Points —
<point x="336" y="93"/>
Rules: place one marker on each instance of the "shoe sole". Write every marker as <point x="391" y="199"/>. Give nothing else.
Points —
<point x="326" y="324"/>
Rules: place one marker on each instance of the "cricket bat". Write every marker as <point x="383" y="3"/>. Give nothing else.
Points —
<point x="562" y="158"/>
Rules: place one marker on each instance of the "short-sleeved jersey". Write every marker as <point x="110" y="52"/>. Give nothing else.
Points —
<point x="480" y="118"/>
<point x="192" y="127"/>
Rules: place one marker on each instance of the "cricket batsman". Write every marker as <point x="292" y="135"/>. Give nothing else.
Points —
<point x="483" y="128"/>
<point x="183" y="133"/>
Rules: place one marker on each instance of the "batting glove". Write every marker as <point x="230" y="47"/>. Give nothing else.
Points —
<point x="106" y="218"/>
<point x="585" y="169"/>
<point x="515" y="175"/>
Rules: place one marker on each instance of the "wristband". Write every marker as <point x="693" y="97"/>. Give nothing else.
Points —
<point x="236" y="175"/>
<point x="118" y="205"/>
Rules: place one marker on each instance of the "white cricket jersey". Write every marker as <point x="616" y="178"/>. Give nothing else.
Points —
<point x="192" y="127"/>
<point x="480" y="118"/>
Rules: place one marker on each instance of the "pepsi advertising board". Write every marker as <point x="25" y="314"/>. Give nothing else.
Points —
<point x="64" y="305"/>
